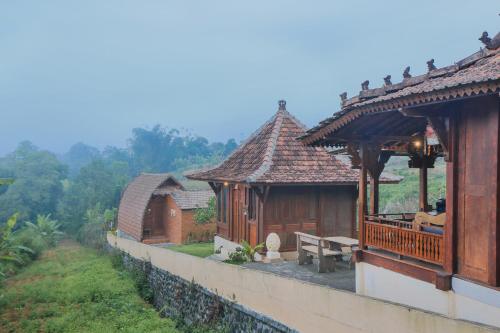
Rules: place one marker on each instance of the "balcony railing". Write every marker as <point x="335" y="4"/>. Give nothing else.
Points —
<point x="398" y="236"/>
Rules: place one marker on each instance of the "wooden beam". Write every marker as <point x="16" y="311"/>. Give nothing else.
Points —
<point x="371" y="138"/>
<point x="425" y="111"/>
<point x="440" y="279"/>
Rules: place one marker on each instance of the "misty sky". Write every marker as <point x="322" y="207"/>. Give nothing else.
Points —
<point x="91" y="70"/>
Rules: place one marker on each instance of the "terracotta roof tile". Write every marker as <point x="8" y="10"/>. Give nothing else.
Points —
<point x="135" y="200"/>
<point x="192" y="199"/>
<point x="476" y="74"/>
<point x="273" y="155"/>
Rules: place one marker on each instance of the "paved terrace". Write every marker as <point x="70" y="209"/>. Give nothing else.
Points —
<point x="343" y="277"/>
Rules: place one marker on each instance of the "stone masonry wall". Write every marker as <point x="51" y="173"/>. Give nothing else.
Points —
<point x="194" y="305"/>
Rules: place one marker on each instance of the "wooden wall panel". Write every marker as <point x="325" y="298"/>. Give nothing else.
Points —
<point x="477" y="196"/>
<point x="301" y="208"/>
<point x="337" y="211"/>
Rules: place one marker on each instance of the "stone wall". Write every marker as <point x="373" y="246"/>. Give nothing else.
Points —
<point x="299" y="305"/>
<point x="194" y="305"/>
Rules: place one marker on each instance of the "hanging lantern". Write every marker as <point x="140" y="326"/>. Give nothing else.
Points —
<point x="416" y="145"/>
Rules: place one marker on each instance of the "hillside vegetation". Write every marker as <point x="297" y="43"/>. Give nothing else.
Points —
<point x="403" y="197"/>
<point x="73" y="289"/>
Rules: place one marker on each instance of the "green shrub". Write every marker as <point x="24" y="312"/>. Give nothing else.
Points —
<point x="12" y="254"/>
<point x="142" y="284"/>
<point x="29" y="238"/>
<point x="92" y="235"/>
<point x="97" y="221"/>
<point x="237" y="257"/>
<point x="47" y="228"/>
<point x="249" y="251"/>
<point x="205" y="215"/>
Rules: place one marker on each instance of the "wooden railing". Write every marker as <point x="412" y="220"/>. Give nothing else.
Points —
<point x="405" y="241"/>
<point x="402" y="220"/>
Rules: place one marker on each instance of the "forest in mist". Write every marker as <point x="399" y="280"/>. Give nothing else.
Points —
<point x="85" y="182"/>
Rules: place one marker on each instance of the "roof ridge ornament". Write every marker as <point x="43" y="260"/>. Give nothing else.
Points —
<point x="406" y="73"/>
<point x="387" y="80"/>
<point x="364" y="85"/>
<point x="485" y="39"/>
<point x="343" y="98"/>
<point x="282" y="104"/>
<point x="430" y="65"/>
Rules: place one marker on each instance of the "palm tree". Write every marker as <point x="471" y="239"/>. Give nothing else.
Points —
<point x="9" y="252"/>
<point x="47" y="228"/>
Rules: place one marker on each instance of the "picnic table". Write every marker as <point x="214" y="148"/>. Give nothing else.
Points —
<point x="342" y="241"/>
<point x="343" y="244"/>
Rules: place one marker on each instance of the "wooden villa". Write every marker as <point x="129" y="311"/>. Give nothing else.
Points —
<point x="155" y="208"/>
<point x="452" y="112"/>
<point x="273" y="183"/>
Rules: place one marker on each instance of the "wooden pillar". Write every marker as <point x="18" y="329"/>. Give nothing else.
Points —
<point x="423" y="189"/>
<point x="374" y="196"/>
<point x="451" y="197"/>
<point x="362" y="197"/>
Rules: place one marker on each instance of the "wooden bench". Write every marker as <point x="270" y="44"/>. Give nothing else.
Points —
<point x="316" y="246"/>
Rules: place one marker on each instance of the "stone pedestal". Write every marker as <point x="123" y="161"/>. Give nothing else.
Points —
<point x="273" y="244"/>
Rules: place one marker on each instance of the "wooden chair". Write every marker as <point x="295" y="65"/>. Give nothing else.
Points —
<point x="315" y="246"/>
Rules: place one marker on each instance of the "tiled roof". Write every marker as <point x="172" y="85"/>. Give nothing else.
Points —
<point x="476" y="74"/>
<point x="192" y="199"/>
<point x="272" y="155"/>
<point x="135" y="200"/>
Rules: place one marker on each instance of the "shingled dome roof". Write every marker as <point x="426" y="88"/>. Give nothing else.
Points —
<point x="272" y="155"/>
<point x="135" y="200"/>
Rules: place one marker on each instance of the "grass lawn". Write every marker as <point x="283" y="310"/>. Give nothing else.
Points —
<point x="75" y="289"/>
<point x="201" y="250"/>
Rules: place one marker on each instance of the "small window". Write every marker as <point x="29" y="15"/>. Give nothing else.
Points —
<point x="172" y="212"/>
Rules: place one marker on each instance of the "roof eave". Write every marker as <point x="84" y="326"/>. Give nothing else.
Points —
<point x="351" y="113"/>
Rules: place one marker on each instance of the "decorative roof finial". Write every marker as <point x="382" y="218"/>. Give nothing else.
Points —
<point x="364" y="85"/>
<point x="343" y="98"/>
<point x="485" y="39"/>
<point x="406" y="73"/>
<point x="387" y="80"/>
<point x="430" y="65"/>
<point x="282" y="104"/>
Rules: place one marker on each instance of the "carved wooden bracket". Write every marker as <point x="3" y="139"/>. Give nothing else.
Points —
<point x="352" y="150"/>
<point x="215" y="187"/>
<point x="439" y="126"/>
<point x="376" y="159"/>
<point x="262" y="192"/>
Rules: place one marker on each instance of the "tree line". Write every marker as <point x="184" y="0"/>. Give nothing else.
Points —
<point x="84" y="185"/>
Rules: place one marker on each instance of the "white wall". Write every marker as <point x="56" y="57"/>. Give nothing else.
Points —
<point x="466" y="300"/>
<point x="304" y="306"/>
